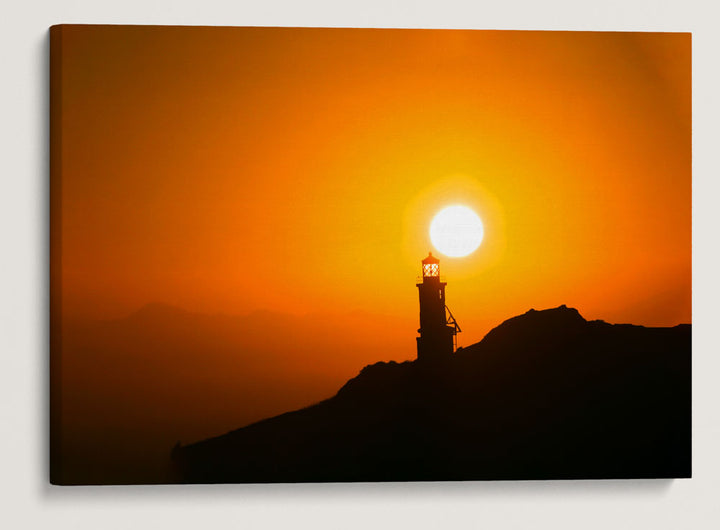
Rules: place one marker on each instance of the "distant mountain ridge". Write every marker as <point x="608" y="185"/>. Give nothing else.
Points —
<point x="132" y="387"/>
<point x="545" y="395"/>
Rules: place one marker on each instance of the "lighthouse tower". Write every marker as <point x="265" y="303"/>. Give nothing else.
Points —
<point x="437" y="330"/>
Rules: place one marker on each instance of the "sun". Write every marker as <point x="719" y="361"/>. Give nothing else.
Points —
<point x="456" y="231"/>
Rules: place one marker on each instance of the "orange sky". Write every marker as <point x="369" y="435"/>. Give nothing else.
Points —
<point x="297" y="170"/>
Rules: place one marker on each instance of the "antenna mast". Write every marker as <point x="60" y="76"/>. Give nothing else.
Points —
<point x="456" y="327"/>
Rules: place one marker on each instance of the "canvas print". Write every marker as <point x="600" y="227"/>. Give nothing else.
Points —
<point x="336" y="255"/>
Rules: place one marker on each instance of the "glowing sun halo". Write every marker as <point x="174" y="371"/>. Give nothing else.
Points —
<point x="456" y="231"/>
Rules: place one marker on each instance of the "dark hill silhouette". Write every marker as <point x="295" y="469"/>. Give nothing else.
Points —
<point x="545" y="395"/>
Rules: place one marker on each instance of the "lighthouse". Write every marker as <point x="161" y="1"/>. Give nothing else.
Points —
<point x="438" y="328"/>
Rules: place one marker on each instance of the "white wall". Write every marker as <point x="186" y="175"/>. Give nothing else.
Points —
<point x="27" y="501"/>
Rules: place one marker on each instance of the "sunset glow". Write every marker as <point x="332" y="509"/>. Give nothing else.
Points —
<point x="186" y="160"/>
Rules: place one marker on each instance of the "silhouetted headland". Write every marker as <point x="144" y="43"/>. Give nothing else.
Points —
<point x="545" y="395"/>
